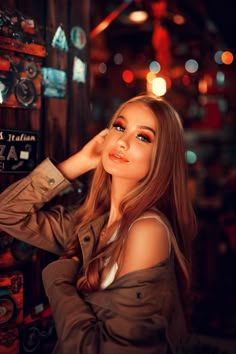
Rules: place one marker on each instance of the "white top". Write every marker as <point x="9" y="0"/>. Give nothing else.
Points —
<point x="112" y="273"/>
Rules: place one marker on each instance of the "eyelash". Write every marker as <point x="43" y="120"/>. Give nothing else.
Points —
<point x="141" y="137"/>
<point x="144" y="138"/>
<point x="118" y="127"/>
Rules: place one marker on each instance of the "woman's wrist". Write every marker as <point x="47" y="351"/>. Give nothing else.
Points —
<point x="74" y="166"/>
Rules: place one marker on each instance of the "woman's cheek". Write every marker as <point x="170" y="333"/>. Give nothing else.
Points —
<point x="109" y="139"/>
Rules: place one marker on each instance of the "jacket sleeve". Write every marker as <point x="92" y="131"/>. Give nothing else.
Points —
<point x="81" y="330"/>
<point x="21" y="213"/>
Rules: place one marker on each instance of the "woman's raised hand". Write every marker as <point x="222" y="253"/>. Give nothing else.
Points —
<point x="84" y="160"/>
<point x="93" y="149"/>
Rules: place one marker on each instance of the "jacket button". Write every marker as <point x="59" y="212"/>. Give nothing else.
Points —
<point x="87" y="239"/>
<point x="51" y="181"/>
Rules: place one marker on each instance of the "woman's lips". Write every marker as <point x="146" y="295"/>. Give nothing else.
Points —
<point x="117" y="157"/>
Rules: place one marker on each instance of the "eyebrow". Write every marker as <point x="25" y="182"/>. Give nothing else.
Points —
<point x="147" y="128"/>
<point x="140" y="126"/>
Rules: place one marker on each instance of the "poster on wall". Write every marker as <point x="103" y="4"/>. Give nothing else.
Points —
<point x="18" y="150"/>
<point x="79" y="70"/>
<point x="54" y="82"/>
<point x="59" y="40"/>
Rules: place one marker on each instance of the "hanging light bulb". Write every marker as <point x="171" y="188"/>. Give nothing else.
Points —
<point x="139" y="14"/>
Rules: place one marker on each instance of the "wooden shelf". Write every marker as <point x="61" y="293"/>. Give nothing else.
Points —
<point x="34" y="49"/>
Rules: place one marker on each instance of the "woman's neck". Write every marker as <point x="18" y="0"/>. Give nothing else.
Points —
<point x="119" y="190"/>
<point x="114" y="215"/>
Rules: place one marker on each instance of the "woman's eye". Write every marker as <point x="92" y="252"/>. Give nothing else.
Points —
<point x="118" y="127"/>
<point x="144" y="138"/>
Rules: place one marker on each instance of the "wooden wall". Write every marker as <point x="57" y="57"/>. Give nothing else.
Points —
<point x="62" y="124"/>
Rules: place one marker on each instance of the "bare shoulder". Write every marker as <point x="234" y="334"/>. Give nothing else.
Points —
<point x="149" y="222"/>
<point x="147" y="244"/>
<point x="150" y="232"/>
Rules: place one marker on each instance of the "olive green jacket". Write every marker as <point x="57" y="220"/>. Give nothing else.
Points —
<point x="140" y="313"/>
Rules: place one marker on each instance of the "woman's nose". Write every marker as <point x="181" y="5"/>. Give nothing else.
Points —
<point x="123" y="142"/>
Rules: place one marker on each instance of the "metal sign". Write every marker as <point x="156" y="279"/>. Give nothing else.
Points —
<point x="18" y="150"/>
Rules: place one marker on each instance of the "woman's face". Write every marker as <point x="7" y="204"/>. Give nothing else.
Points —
<point x="129" y="144"/>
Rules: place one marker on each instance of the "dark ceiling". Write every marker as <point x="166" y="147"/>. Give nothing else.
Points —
<point x="209" y="24"/>
<point x="221" y="13"/>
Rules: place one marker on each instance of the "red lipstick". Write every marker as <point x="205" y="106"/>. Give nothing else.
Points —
<point x="117" y="156"/>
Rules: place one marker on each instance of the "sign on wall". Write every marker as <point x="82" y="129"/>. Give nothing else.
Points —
<point x="18" y="150"/>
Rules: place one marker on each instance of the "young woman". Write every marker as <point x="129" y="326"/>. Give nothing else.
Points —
<point x="124" y="266"/>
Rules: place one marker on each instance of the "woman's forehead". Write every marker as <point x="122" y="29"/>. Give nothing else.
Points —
<point x="139" y="113"/>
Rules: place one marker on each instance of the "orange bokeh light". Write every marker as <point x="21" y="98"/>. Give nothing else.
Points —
<point x="227" y="57"/>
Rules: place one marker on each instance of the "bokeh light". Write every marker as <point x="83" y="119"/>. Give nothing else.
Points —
<point x="191" y="66"/>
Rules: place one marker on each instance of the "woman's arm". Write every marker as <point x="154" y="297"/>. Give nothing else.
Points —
<point x="111" y="328"/>
<point x="21" y="213"/>
<point x="20" y="209"/>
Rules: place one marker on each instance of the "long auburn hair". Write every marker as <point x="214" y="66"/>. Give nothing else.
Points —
<point x="163" y="188"/>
